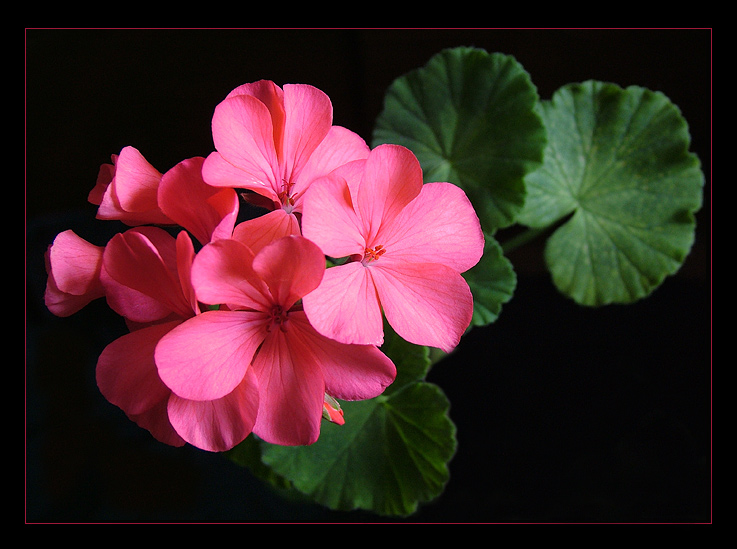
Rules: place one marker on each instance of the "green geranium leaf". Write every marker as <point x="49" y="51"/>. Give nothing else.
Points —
<point x="619" y="177"/>
<point x="492" y="281"/>
<point x="390" y="456"/>
<point x="470" y="118"/>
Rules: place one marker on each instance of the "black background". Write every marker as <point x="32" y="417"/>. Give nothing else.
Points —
<point x="564" y="414"/>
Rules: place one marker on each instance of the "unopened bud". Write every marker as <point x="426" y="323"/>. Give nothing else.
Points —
<point x="331" y="410"/>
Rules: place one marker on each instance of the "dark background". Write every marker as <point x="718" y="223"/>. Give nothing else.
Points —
<point x="564" y="414"/>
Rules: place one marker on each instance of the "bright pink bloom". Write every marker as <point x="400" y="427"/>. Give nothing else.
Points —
<point x="408" y="244"/>
<point x="127" y="190"/>
<point x="261" y="329"/>
<point x="73" y="266"/>
<point x="275" y="142"/>
<point x="148" y="282"/>
<point x="146" y="275"/>
<point x="133" y="191"/>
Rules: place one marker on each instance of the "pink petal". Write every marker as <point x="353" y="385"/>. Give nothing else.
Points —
<point x="104" y="195"/>
<point x="351" y="372"/>
<point x="75" y="263"/>
<point x="292" y="267"/>
<point x="131" y="304"/>
<point x="126" y="373"/>
<point x="156" y="421"/>
<point x="339" y="232"/>
<point x="73" y="266"/>
<point x="162" y="241"/>
<point x="272" y="96"/>
<point x="185" y="259"/>
<point x="218" y="172"/>
<point x="264" y="90"/>
<point x="291" y="391"/>
<point x="225" y="204"/>
<point x="392" y="178"/>
<point x="63" y="304"/>
<point x="205" y="357"/>
<point x="264" y="229"/>
<point x="132" y="194"/>
<point x="439" y="226"/>
<point x="217" y="425"/>
<point x="222" y="273"/>
<point x="426" y="303"/>
<point x="351" y="172"/>
<point x="137" y="181"/>
<point x="104" y="177"/>
<point x="109" y="206"/>
<point x="339" y="147"/>
<point x="345" y="306"/>
<point x="243" y="135"/>
<point x="203" y="210"/>
<point x="110" y="209"/>
<point x="145" y="260"/>
<point x="309" y="117"/>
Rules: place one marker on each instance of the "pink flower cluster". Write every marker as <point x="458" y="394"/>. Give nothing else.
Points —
<point x="239" y="328"/>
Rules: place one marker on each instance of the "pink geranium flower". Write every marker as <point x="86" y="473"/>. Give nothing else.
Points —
<point x="261" y="330"/>
<point x="127" y="189"/>
<point x="133" y="191"/>
<point x="77" y="275"/>
<point x="407" y="243"/>
<point x="146" y="275"/>
<point x="73" y="266"/>
<point x="275" y="142"/>
<point x="148" y="281"/>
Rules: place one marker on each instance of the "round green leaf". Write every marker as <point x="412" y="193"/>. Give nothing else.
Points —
<point x="390" y="456"/>
<point x="470" y="118"/>
<point x="492" y="281"/>
<point x="619" y="177"/>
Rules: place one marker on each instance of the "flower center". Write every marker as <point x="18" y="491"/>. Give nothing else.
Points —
<point x="277" y="319"/>
<point x="373" y="254"/>
<point x="285" y="196"/>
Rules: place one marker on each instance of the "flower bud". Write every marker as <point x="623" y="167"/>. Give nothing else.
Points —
<point x="331" y="410"/>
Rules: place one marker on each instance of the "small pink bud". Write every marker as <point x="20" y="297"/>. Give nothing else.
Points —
<point x="331" y="410"/>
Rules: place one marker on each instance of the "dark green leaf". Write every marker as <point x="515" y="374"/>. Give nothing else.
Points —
<point x="619" y="177"/>
<point x="390" y="456"/>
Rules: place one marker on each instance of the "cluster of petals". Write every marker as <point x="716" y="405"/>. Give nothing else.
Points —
<point x="143" y="273"/>
<point x="252" y="333"/>
<point x="147" y="281"/>
<point x="173" y="373"/>
<point x="407" y="244"/>
<point x="131" y="190"/>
